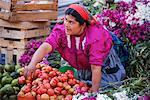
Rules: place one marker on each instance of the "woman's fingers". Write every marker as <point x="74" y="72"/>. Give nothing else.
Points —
<point x="25" y="71"/>
<point x="28" y="71"/>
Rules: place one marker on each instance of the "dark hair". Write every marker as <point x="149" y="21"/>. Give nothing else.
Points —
<point x="77" y="16"/>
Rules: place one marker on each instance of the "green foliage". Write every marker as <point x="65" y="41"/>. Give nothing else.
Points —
<point x="113" y="6"/>
<point x="139" y="86"/>
<point x="93" y="10"/>
<point x="139" y="64"/>
<point x="96" y="7"/>
<point x="54" y="59"/>
<point x="132" y="86"/>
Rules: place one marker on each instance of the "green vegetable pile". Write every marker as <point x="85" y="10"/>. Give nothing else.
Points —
<point x="9" y="86"/>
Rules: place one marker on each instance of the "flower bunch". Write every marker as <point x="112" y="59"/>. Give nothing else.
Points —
<point x="30" y="49"/>
<point x="122" y="95"/>
<point x="52" y="59"/>
<point x="129" y="21"/>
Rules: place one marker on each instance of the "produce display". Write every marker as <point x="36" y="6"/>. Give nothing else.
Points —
<point x="49" y="83"/>
<point x="130" y="21"/>
<point x="9" y="86"/>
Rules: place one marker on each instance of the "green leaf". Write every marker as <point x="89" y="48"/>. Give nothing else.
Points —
<point x="133" y="62"/>
<point x="113" y="6"/>
<point x="143" y="49"/>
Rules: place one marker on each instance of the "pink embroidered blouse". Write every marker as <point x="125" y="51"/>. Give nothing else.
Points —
<point x="92" y="47"/>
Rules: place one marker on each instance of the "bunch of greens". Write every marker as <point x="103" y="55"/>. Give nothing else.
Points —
<point x="139" y="65"/>
<point x="93" y="6"/>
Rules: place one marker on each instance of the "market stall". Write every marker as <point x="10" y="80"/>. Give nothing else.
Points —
<point x="22" y="33"/>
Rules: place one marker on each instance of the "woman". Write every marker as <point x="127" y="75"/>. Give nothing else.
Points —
<point x="82" y="42"/>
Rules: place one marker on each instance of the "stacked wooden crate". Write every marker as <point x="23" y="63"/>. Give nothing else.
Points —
<point x="14" y="37"/>
<point x="21" y="21"/>
<point x="28" y="10"/>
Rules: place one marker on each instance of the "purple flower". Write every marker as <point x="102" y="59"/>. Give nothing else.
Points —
<point x="30" y="49"/>
<point x="134" y="31"/>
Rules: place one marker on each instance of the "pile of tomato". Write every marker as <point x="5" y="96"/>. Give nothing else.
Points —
<point x="48" y="83"/>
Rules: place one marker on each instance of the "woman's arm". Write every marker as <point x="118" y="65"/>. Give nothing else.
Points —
<point x="44" y="49"/>
<point x="96" y="77"/>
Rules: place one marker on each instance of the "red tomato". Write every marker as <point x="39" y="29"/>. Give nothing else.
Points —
<point x="50" y="92"/>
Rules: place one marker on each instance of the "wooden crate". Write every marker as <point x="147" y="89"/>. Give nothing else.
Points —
<point x="26" y="10"/>
<point x="11" y="55"/>
<point x="23" y="34"/>
<point x="17" y="43"/>
<point x="24" y="25"/>
<point x="23" y="30"/>
<point x="12" y="49"/>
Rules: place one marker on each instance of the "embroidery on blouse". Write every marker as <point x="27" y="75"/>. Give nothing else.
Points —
<point x="83" y="43"/>
<point x="69" y="41"/>
<point x="77" y="42"/>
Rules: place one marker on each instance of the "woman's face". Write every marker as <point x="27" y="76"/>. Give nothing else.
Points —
<point x="72" y="27"/>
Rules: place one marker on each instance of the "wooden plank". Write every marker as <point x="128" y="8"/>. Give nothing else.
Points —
<point x="1" y="29"/>
<point x="9" y="52"/>
<point x="9" y="56"/>
<point x="13" y="44"/>
<point x="37" y="33"/>
<point x="4" y="15"/>
<point x="34" y="16"/>
<point x="49" y="6"/>
<point x="40" y="11"/>
<point x="23" y="34"/>
<point x="23" y="25"/>
<point x="3" y="50"/>
<point x="5" y="5"/>
<point x="18" y="53"/>
<point x="20" y="44"/>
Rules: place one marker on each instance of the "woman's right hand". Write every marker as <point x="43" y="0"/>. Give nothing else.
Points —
<point x="43" y="50"/>
<point x="29" y="70"/>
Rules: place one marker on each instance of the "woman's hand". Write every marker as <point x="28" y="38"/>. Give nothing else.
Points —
<point x="43" y="50"/>
<point x="29" y="70"/>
